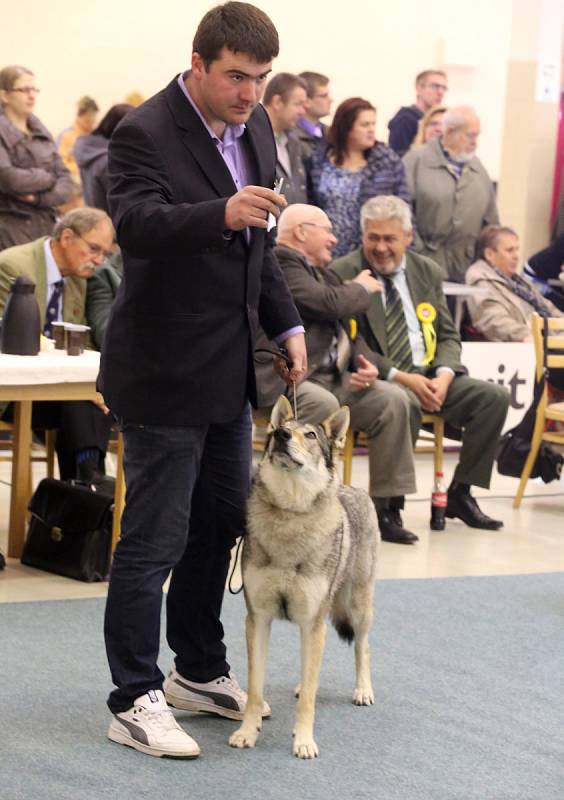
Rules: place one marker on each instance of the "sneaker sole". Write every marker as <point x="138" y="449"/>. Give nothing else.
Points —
<point x="129" y="741"/>
<point x="203" y="707"/>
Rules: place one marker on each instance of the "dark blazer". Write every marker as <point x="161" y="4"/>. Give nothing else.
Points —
<point x="180" y="337"/>
<point x="425" y="285"/>
<point x="324" y="302"/>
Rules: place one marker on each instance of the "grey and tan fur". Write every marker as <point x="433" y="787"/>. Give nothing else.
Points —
<point x="310" y="551"/>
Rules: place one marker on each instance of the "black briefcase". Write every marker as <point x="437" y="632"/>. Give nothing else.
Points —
<point x="70" y="532"/>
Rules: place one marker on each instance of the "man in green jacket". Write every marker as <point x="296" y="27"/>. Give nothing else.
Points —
<point x="418" y="347"/>
<point x="59" y="266"/>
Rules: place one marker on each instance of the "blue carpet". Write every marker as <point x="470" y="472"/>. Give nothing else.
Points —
<point x="468" y="674"/>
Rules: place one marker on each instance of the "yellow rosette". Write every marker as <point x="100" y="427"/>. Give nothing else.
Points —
<point x="427" y="314"/>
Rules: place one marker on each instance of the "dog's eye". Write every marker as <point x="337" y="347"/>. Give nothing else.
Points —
<point x="310" y="435"/>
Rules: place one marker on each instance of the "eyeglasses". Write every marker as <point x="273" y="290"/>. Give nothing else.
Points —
<point x="437" y="86"/>
<point x="95" y="249"/>
<point x="326" y="228"/>
<point x="26" y="90"/>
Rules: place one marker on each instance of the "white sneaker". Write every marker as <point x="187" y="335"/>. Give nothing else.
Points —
<point x="149" y="726"/>
<point x="221" y="696"/>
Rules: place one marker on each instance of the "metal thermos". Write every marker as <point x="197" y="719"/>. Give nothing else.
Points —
<point x="21" y="326"/>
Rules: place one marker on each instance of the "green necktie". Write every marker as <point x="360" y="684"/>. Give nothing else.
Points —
<point x="399" y="347"/>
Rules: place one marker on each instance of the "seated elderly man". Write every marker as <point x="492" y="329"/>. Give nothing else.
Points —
<point x="453" y="195"/>
<point x="503" y="314"/>
<point x="59" y="266"/>
<point x="418" y="349"/>
<point x="340" y="366"/>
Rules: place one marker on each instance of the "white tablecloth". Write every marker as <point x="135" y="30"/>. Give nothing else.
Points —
<point x="45" y="368"/>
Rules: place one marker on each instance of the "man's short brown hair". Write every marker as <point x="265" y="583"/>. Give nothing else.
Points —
<point x="313" y="80"/>
<point x="424" y="76"/>
<point x="241" y="28"/>
<point x="282" y="84"/>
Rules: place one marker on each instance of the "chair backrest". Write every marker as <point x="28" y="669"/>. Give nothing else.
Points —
<point x="554" y="343"/>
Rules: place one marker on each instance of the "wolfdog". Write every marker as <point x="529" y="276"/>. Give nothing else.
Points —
<point x="310" y="550"/>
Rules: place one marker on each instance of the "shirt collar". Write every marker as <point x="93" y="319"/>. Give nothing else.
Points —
<point x="53" y="271"/>
<point x="398" y="271"/>
<point x="311" y="128"/>
<point x="232" y="132"/>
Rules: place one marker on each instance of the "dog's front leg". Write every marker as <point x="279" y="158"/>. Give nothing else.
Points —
<point x="312" y="646"/>
<point x="258" y="633"/>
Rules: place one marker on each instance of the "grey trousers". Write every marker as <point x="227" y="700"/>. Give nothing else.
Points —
<point x="479" y="409"/>
<point x="382" y="413"/>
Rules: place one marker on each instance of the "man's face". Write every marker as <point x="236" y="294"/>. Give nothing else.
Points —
<point x="319" y="105"/>
<point x="317" y="239"/>
<point x="462" y="142"/>
<point x="384" y="244"/>
<point x="82" y="253"/>
<point x="432" y="91"/>
<point x="505" y="255"/>
<point x="230" y="87"/>
<point x="288" y="112"/>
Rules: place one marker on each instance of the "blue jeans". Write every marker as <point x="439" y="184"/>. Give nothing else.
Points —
<point x="185" y="506"/>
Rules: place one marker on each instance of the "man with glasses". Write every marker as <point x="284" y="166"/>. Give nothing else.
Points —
<point x="60" y="266"/>
<point x="311" y="130"/>
<point x="430" y="88"/>
<point x="341" y="367"/>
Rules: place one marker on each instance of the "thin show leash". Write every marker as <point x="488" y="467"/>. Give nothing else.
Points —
<point x="285" y="357"/>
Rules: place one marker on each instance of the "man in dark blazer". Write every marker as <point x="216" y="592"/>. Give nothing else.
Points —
<point x="434" y="378"/>
<point x="191" y="172"/>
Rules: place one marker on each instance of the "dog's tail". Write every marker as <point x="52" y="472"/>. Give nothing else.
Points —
<point x="344" y="629"/>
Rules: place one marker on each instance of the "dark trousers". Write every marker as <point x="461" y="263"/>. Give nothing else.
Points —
<point x="185" y="506"/>
<point x="80" y="425"/>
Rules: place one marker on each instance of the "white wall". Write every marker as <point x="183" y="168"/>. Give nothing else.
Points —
<point x="372" y="49"/>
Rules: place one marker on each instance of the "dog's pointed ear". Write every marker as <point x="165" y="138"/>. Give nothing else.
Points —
<point x="337" y="426"/>
<point x="281" y="412"/>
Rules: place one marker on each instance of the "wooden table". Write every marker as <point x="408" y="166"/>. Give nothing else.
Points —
<point x="23" y="379"/>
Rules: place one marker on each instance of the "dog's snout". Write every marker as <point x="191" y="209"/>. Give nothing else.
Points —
<point x="282" y="435"/>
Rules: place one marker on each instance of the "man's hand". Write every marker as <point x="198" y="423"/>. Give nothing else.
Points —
<point x="99" y="402"/>
<point x="422" y="387"/>
<point x="296" y="349"/>
<point x="367" y="279"/>
<point x="251" y="206"/>
<point x="365" y="375"/>
<point x="441" y="383"/>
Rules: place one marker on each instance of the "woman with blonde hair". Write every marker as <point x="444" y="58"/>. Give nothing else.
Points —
<point x="430" y="126"/>
<point x="33" y="178"/>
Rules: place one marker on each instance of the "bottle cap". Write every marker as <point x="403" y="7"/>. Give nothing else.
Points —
<point x="23" y="285"/>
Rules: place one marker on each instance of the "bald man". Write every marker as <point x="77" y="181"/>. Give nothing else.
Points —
<point x="453" y="195"/>
<point x="340" y="367"/>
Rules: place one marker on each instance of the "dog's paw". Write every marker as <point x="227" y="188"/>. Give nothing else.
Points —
<point x="244" y="737"/>
<point x="363" y="696"/>
<point x="305" y="747"/>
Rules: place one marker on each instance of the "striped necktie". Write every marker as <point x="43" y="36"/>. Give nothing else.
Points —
<point x="53" y="307"/>
<point x="399" y="346"/>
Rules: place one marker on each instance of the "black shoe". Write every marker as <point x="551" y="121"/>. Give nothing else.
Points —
<point x="89" y="473"/>
<point x="2" y="562"/>
<point x="391" y="527"/>
<point x="465" y="507"/>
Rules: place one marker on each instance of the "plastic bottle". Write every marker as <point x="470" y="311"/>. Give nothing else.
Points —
<point x="438" y="503"/>
<point x="21" y="326"/>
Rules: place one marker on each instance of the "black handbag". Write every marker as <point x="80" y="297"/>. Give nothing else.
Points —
<point x="70" y="532"/>
<point x="515" y="444"/>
